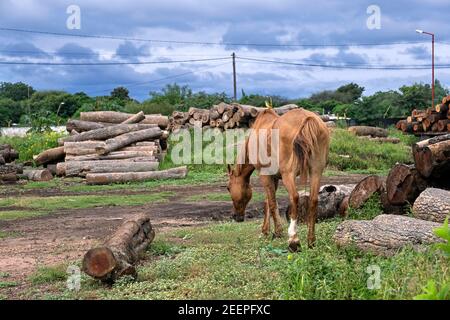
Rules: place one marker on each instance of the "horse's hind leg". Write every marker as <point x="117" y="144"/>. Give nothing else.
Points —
<point x="266" y="223"/>
<point x="289" y="183"/>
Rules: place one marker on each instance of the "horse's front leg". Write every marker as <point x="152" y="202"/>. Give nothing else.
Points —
<point x="270" y="185"/>
<point x="289" y="183"/>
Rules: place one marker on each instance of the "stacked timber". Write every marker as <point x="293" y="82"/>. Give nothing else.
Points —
<point x="8" y="170"/>
<point x="223" y="116"/>
<point x="108" y="144"/>
<point x="432" y="121"/>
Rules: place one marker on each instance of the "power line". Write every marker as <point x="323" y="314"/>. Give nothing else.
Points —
<point x="135" y="84"/>
<point x="243" y="44"/>
<point x="107" y="63"/>
<point x="363" y="67"/>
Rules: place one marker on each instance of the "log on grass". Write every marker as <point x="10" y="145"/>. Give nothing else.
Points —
<point x="120" y="177"/>
<point x="404" y="184"/>
<point x="381" y="140"/>
<point x="369" y="131"/>
<point x="433" y="205"/>
<point x="385" y="234"/>
<point x="432" y="156"/>
<point x="8" y="153"/>
<point x="38" y="175"/>
<point x="118" y="254"/>
<point x="8" y="172"/>
<point x="81" y="168"/>
<point x="107" y="132"/>
<point x="50" y="156"/>
<point x="138" y="117"/>
<point x="332" y="202"/>
<point x="364" y="190"/>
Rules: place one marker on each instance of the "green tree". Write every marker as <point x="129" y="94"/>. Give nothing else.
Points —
<point x="15" y="91"/>
<point x="120" y="93"/>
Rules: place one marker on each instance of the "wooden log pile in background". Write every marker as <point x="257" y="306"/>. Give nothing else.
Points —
<point x="8" y="170"/>
<point x="223" y="116"/>
<point x="113" y="146"/>
<point x="430" y="121"/>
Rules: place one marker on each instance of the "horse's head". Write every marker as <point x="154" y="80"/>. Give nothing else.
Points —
<point x="240" y="191"/>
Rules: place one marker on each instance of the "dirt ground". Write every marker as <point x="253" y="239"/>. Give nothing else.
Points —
<point x="63" y="237"/>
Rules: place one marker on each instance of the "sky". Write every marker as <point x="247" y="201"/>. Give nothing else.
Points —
<point x="320" y="32"/>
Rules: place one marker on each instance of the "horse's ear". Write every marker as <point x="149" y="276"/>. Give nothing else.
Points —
<point x="229" y="169"/>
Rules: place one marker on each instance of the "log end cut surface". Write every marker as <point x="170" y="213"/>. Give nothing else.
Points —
<point x="99" y="262"/>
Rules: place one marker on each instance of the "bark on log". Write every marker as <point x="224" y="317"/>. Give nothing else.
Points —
<point x="333" y="201"/>
<point x="8" y="153"/>
<point x="381" y="140"/>
<point x="404" y="184"/>
<point x="442" y="125"/>
<point x="118" y="255"/>
<point x="38" y="175"/>
<point x="8" y="172"/>
<point x="364" y="190"/>
<point x="432" y="205"/>
<point x="127" y="139"/>
<point x="50" y="156"/>
<point x="369" y="131"/>
<point x="138" y="117"/>
<point x="108" y="132"/>
<point x="432" y="156"/>
<point x="118" y="117"/>
<point x="81" y="126"/>
<point x="81" y="168"/>
<point x="118" y="155"/>
<point x="106" y="178"/>
<point x="385" y="234"/>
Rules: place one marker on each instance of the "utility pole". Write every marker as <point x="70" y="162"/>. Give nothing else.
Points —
<point x="233" y="55"/>
<point x="432" y="64"/>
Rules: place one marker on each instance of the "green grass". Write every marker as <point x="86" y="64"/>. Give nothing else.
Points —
<point x="351" y="154"/>
<point x="45" y="275"/>
<point x="230" y="261"/>
<point x="8" y="284"/>
<point x="8" y="234"/>
<point x="225" y="196"/>
<point x="37" y="206"/>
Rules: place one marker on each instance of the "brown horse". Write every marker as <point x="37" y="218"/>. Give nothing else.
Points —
<point x="301" y="149"/>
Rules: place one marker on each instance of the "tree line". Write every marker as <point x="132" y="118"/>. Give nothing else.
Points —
<point x="22" y="104"/>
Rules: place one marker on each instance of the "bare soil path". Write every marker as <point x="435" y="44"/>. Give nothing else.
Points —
<point x="57" y="238"/>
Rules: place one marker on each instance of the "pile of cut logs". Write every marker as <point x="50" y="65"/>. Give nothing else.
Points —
<point x="373" y="134"/>
<point x="107" y="146"/>
<point x="8" y="169"/>
<point x="432" y="120"/>
<point x="224" y="116"/>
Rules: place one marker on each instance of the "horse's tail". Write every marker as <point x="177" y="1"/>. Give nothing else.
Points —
<point x="306" y="142"/>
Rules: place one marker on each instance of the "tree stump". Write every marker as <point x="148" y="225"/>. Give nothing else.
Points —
<point x="385" y="234"/>
<point x="364" y="190"/>
<point x="432" y="204"/>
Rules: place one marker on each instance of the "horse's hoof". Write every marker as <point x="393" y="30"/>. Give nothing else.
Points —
<point x="294" y="246"/>
<point x="276" y="235"/>
<point x="311" y="243"/>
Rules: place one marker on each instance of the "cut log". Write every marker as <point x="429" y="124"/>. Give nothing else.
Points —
<point x="50" y="156"/>
<point x="38" y="175"/>
<point x="8" y="173"/>
<point x="2" y="160"/>
<point x="333" y="201"/>
<point x="138" y="117"/>
<point x="385" y="234"/>
<point x="51" y="168"/>
<point x="381" y="140"/>
<point x="61" y="169"/>
<point x="442" y="125"/>
<point x="250" y="111"/>
<point x="369" y="131"/>
<point x="106" y="178"/>
<point x="432" y="205"/>
<point x="432" y="156"/>
<point x="127" y="139"/>
<point x="118" y="254"/>
<point x="118" y="155"/>
<point x="74" y="133"/>
<point x="404" y="184"/>
<point x="118" y="117"/>
<point x="81" y="126"/>
<point x="8" y="153"/>
<point x="81" y="168"/>
<point x="364" y="190"/>
<point x="442" y="108"/>
<point x="107" y="132"/>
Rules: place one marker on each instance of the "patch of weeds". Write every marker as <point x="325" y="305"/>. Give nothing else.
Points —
<point x="370" y="209"/>
<point x="8" y="284"/>
<point x="9" y="234"/>
<point x="163" y="248"/>
<point x="49" y="275"/>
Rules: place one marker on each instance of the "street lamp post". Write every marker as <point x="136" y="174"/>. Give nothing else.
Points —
<point x="432" y="64"/>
